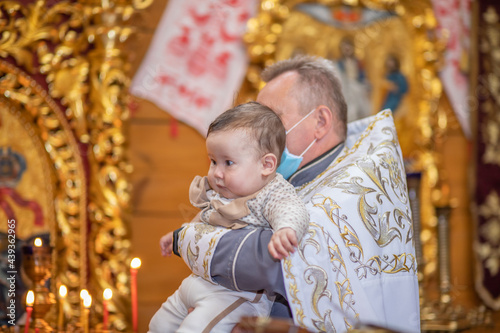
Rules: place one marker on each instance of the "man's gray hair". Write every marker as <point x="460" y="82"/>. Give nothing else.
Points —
<point x="318" y="84"/>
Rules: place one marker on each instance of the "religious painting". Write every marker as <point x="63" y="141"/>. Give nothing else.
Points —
<point x="26" y="201"/>
<point x="25" y="180"/>
<point x="372" y="50"/>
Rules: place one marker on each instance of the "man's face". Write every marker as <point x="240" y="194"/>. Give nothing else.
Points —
<point x="279" y="96"/>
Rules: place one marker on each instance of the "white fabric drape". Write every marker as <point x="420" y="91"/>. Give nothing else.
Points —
<point x="197" y="60"/>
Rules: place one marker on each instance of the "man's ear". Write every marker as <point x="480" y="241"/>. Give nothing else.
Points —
<point x="269" y="164"/>
<point x="324" y="121"/>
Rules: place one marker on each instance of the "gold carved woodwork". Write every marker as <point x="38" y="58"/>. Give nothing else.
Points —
<point x="28" y="102"/>
<point x="280" y="30"/>
<point x="79" y="108"/>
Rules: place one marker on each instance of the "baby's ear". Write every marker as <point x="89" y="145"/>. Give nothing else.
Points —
<point x="269" y="164"/>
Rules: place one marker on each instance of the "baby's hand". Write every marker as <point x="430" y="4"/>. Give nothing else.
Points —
<point x="166" y="244"/>
<point x="283" y="242"/>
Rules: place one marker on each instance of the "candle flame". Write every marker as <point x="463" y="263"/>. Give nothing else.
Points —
<point x="63" y="291"/>
<point x="30" y="298"/>
<point x="107" y="294"/>
<point x="135" y="263"/>
<point x="84" y="293"/>
<point x="38" y="242"/>
<point x="87" y="301"/>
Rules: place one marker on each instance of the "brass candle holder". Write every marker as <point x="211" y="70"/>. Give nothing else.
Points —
<point x="37" y="264"/>
<point x="443" y="315"/>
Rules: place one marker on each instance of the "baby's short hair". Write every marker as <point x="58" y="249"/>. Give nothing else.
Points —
<point x="263" y="124"/>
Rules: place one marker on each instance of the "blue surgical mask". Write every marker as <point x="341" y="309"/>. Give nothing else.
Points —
<point x="289" y="163"/>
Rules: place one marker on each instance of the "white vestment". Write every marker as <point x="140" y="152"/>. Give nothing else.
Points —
<point x="356" y="264"/>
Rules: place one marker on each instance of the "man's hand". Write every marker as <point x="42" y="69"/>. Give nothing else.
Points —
<point x="166" y="244"/>
<point x="282" y="243"/>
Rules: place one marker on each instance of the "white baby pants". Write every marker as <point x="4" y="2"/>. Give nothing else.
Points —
<point x="216" y="309"/>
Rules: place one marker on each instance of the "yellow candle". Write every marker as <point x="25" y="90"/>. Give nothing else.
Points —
<point x="83" y="294"/>
<point x="63" y="291"/>
<point x="87" y="302"/>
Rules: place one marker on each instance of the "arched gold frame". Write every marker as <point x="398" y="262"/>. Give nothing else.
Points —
<point x="68" y="216"/>
<point x="65" y="68"/>
<point x="264" y="39"/>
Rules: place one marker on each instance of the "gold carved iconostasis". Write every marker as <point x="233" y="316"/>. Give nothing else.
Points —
<point x="63" y="166"/>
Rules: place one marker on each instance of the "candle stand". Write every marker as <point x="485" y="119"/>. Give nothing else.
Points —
<point x="37" y="264"/>
<point x="443" y="315"/>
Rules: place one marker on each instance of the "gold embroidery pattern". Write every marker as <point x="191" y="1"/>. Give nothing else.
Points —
<point x="318" y="277"/>
<point x="293" y="290"/>
<point x="208" y="254"/>
<point x="405" y="262"/>
<point x="192" y="256"/>
<point x="202" y="229"/>
<point x="309" y="188"/>
<point x="201" y="245"/>
<point x="376" y="264"/>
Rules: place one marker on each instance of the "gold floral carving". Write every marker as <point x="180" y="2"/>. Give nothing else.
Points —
<point x="78" y="48"/>
<point x="68" y="234"/>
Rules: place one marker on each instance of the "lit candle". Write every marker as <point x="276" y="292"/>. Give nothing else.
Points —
<point x="107" y="294"/>
<point x="38" y="242"/>
<point x="83" y="294"/>
<point x="87" y="302"/>
<point x="30" y="299"/>
<point x="63" y="291"/>
<point x="134" y="266"/>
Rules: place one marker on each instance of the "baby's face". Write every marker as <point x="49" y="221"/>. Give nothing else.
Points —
<point x="235" y="164"/>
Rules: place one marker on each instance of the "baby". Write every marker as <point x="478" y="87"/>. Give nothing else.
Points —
<point x="241" y="190"/>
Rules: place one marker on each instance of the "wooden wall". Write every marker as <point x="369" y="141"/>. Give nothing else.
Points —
<point x="163" y="169"/>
